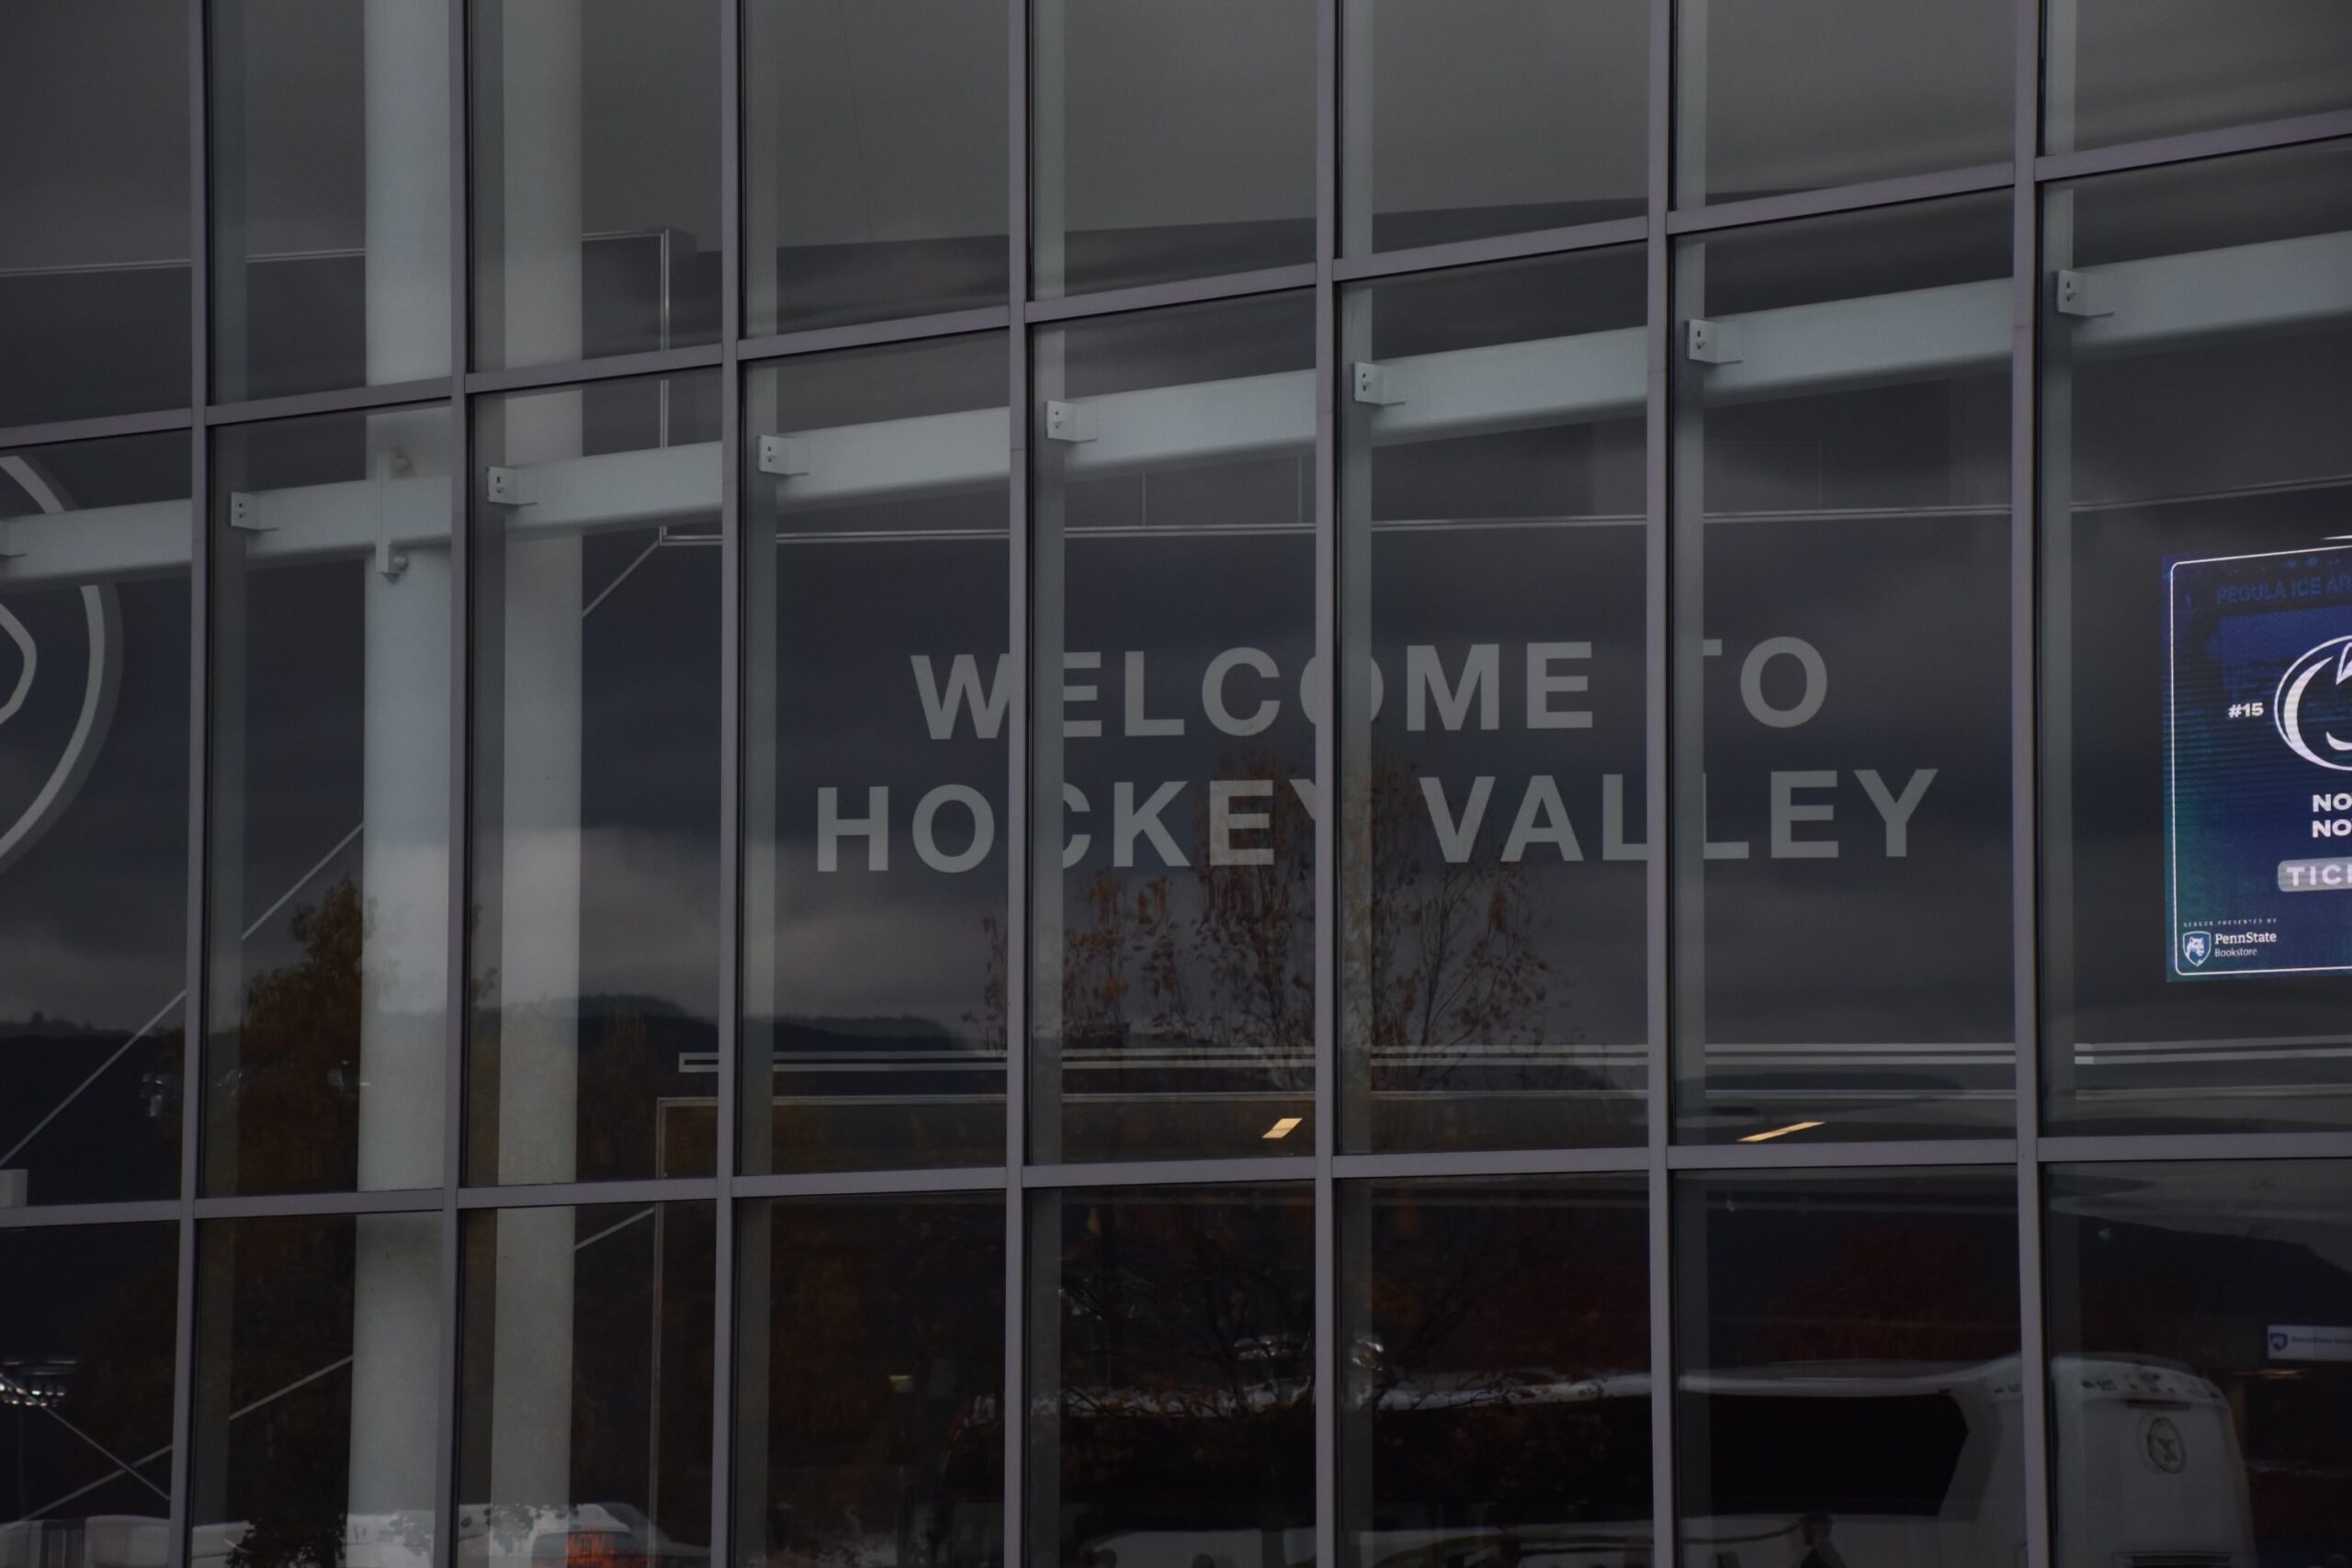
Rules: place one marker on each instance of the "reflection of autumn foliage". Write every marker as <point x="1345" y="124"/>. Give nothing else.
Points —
<point x="886" y="1332"/>
<point x="1482" y="1307"/>
<point x="1451" y="955"/>
<point x="294" y="1084"/>
<point x="1899" y="1291"/>
<point x="1185" y="1366"/>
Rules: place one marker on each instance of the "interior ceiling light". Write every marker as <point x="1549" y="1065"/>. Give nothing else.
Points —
<point x="1284" y="1128"/>
<point x="1778" y="1132"/>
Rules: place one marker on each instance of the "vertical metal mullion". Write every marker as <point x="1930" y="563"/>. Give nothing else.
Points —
<point x="2024" y="689"/>
<point x="1657" y="758"/>
<point x="200" y="775"/>
<point x="459" y="1017"/>
<point x="1328" y="108"/>
<point x="1014" y="1401"/>
<point x="724" y="1285"/>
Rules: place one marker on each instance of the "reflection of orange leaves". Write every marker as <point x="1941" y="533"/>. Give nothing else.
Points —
<point x="296" y="1055"/>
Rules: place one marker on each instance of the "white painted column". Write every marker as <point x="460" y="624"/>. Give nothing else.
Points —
<point x="395" y="1341"/>
<point x="539" y="758"/>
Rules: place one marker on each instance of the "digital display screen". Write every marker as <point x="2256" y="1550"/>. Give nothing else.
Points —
<point x="2259" y="764"/>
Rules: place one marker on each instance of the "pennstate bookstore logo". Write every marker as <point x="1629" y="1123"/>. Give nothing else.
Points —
<point x="2196" y="947"/>
<point x="2333" y="656"/>
<point x="60" y="668"/>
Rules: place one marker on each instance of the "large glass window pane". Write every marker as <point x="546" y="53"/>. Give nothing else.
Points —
<point x="2121" y="70"/>
<point x="1171" y="1398"/>
<point x="1778" y="95"/>
<point x="1495" y="990"/>
<point x="1169" y="138"/>
<point x="86" y="1379"/>
<point x="318" y="1392"/>
<point x="1493" y="118"/>
<point x="876" y="498"/>
<point x="1172" y="986"/>
<point x="874" y="159"/>
<point x="870" y="1383"/>
<point x="94" y="180"/>
<point x="592" y="1048"/>
<point x="330" y="194"/>
<point x="2196" y="397"/>
<point x="1842" y="554"/>
<point x="2200" y="1375"/>
<point x="93" y="705"/>
<point x="585" y="1386"/>
<point x="1496" y="1357"/>
<point x="329" y="879"/>
<point x="594" y="141"/>
<point x="1848" y="1389"/>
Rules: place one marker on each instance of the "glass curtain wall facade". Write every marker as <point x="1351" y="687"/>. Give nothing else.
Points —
<point x="1093" y="785"/>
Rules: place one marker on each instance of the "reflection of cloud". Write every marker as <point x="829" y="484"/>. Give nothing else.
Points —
<point x="905" y="942"/>
<point x="648" y="916"/>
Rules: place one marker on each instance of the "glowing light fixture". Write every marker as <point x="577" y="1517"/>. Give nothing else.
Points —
<point x="1284" y="1128"/>
<point x="1778" y="1132"/>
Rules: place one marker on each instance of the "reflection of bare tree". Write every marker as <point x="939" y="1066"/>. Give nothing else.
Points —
<point x="296" y="1052"/>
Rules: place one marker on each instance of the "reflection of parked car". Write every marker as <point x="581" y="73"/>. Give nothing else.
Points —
<point x="586" y="1535"/>
<point x="101" y="1540"/>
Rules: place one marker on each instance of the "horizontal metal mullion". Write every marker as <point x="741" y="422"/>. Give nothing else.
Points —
<point x="610" y="368"/>
<point x="2151" y="1146"/>
<point x="1632" y="1159"/>
<point x="1782" y="1155"/>
<point x="2193" y="145"/>
<point x="57" y="433"/>
<point x="1842" y="199"/>
<point x="1493" y="248"/>
<point x="163" y="1209"/>
<point x="864" y="1183"/>
<point x="341" y="399"/>
<point x="862" y="334"/>
<point x="1299" y="1169"/>
<point x="559" y="1194"/>
<point x="262" y="1205"/>
<point x="1182" y="291"/>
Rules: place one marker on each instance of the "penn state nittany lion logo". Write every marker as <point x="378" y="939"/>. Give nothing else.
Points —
<point x="2295" y="697"/>
<point x="2196" y="947"/>
<point x="61" y="666"/>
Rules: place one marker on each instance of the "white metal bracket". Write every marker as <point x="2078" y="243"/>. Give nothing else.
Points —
<point x="1374" y="385"/>
<point x="783" y="456"/>
<point x="1711" y="342"/>
<point x="1069" y="421"/>
<point x="2081" y="294"/>
<point x="508" y="487"/>
<point x="245" y="513"/>
<point x="8" y="552"/>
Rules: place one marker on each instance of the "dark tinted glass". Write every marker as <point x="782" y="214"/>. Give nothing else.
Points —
<point x="2200" y="1375"/>
<point x="1172" y="992"/>
<point x="1850" y="1391"/>
<point x="1509" y="116"/>
<point x="1842" y="584"/>
<point x="1496" y="1365"/>
<point x="1172" y="1402"/>
<point x="870" y="1384"/>
<point x="592" y="1052"/>
<point x="2196" y="389"/>
<point x="329" y="839"/>
<point x="86" y="1380"/>
<point x="875" y="578"/>
<point x="2119" y="70"/>
<point x="330" y="194"/>
<point x="1492" y="512"/>
<point x="317" y="1392"/>
<point x="874" y="159"/>
<point x="93" y="703"/>
<point x="594" y="141"/>
<point x="1775" y="96"/>
<point x="585" y="1386"/>
<point x="94" y="179"/>
<point x="1168" y="140"/>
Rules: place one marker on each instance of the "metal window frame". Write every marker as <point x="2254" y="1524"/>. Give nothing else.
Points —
<point x="1659" y="1158"/>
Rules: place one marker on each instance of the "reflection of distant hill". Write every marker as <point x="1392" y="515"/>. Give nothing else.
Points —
<point x="50" y="1028"/>
<point x="827" y="1035"/>
<point x="116" y="1139"/>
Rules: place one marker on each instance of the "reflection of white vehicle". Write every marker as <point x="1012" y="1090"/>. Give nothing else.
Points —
<point x="588" y="1535"/>
<point x="2153" y="1454"/>
<point x="100" y="1540"/>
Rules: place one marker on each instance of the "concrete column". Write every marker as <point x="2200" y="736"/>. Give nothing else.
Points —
<point x="395" y="1338"/>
